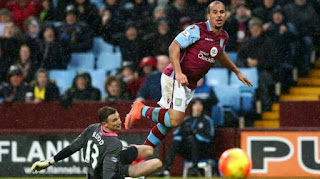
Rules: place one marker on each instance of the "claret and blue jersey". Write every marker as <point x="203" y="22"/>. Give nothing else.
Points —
<point x="201" y="48"/>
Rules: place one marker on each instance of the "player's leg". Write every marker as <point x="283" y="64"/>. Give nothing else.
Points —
<point x="135" y="153"/>
<point x="144" y="151"/>
<point x="128" y="155"/>
<point x="144" y="168"/>
<point x="173" y="116"/>
<point x="171" y="92"/>
<point x="173" y="97"/>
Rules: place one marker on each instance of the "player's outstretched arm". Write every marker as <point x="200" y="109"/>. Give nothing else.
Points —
<point x="76" y="145"/>
<point x="225" y="60"/>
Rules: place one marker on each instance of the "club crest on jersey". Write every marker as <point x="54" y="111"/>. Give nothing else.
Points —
<point x="221" y="43"/>
<point x="178" y="102"/>
<point x="214" y="51"/>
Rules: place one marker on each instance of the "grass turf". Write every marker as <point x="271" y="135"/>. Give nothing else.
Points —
<point x="148" y="178"/>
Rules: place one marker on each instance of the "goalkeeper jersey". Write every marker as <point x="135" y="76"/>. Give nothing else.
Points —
<point x="101" y="151"/>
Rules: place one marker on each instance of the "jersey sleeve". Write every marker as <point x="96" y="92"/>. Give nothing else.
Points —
<point x="189" y="36"/>
<point x="75" y="146"/>
<point x="81" y="140"/>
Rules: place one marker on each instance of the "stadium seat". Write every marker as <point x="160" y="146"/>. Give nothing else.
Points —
<point x="98" y="79"/>
<point x="98" y="3"/>
<point x="82" y="61"/>
<point x="250" y="73"/>
<point x="247" y="93"/>
<point x="57" y="23"/>
<point x="100" y="46"/>
<point x="217" y="76"/>
<point x="217" y="114"/>
<point x="109" y="61"/>
<point x="233" y="56"/>
<point x="63" y="78"/>
<point x="229" y="96"/>
<point x="247" y="101"/>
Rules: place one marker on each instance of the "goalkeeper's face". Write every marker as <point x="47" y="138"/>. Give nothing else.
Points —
<point x="113" y="122"/>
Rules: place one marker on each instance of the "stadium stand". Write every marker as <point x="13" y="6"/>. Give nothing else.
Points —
<point x="233" y="56"/>
<point x="100" y="46"/>
<point x="63" y="78"/>
<point x="82" y="61"/>
<point x="98" y="80"/>
<point x="109" y="61"/>
<point x="217" y="76"/>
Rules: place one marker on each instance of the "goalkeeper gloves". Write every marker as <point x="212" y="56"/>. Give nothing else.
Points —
<point x="40" y="165"/>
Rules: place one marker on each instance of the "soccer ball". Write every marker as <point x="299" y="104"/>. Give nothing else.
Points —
<point x="234" y="164"/>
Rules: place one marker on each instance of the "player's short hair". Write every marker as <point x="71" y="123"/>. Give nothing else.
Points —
<point x="105" y="112"/>
<point x="214" y="2"/>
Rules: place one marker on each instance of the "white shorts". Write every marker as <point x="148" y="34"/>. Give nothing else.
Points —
<point x="173" y="96"/>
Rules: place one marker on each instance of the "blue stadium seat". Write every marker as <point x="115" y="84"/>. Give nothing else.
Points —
<point x="109" y="61"/>
<point x="217" y="76"/>
<point x="217" y="115"/>
<point x="98" y="3"/>
<point x="64" y="78"/>
<point x="98" y="79"/>
<point x="247" y="93"/>
<point x="247" y="101"/>
<point x="229" y="96"/>
<point x="233" y="56"/>
<point x="82" y="61"/>
<point x="57" y="23"/>
<point x="250" y="73"/>
<point x="100" y="46"/>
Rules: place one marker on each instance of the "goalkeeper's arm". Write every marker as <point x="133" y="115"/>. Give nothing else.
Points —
<point x="75" y="146"/>
<point x="40" y="165"/>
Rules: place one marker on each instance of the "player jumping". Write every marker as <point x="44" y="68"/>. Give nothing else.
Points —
<point x="202" y="44"/>
<point x="104" y="153"/>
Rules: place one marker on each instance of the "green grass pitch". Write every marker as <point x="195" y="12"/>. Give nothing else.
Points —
<point x="148" y="178"/>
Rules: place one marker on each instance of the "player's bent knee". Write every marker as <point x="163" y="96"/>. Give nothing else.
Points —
<point x="149" y="151"/>
<point x="176" y="117"/>
<point x="158" y="163"/>
<point x="144" y="151"/>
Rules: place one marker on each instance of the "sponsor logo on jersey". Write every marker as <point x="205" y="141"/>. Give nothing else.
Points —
<point x="214" y="51"/>
<point x="205" y="56"/>
<point x="208" y="39"/>
<point x="114" y="159"/>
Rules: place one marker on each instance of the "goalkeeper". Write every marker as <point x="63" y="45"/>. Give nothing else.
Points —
<point x="103" y="151"/>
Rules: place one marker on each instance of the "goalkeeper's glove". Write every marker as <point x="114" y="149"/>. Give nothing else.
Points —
<point x="40" y="165"/>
